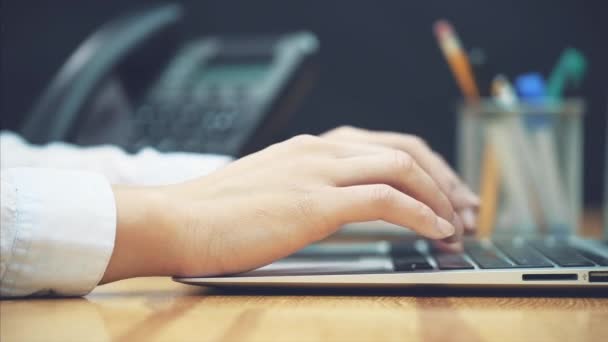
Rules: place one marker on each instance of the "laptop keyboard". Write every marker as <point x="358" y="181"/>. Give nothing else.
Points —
<point x="406" y="258"/>
<point x="598" y="259"/>
<point x="562" y="254"/>
<point x="523" y="255"/>
<point x="451" y="262"/>
<point x="487" y="256"/>
<point x="495" y="255"/>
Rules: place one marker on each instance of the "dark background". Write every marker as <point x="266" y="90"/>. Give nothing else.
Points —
<point x="380" y="65"/>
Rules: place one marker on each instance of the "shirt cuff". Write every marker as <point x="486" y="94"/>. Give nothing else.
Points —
<point x="65" y="230"/>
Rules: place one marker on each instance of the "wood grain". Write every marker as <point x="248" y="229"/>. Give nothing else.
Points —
<point x="157" y="309"/>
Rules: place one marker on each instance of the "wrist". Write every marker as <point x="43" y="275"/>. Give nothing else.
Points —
<point x="142" y="234"/>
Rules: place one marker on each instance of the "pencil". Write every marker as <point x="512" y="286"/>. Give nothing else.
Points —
<point x="463" y="73"/>
<point x="457" y="59"/>
<point x="488" y="193"/>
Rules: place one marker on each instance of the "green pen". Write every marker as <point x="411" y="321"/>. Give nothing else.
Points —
<point x="569" y="71"/>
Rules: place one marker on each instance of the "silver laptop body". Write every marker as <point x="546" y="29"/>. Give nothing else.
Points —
<point x="408" y="261"/>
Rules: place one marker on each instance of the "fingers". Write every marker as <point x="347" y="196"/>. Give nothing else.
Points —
<point x="450" y="247"/>
<point x="468" y="216"/>
<point x="360" y="163"/>
<point x="454" y="242"/>
<point x="461" y="197"/>
<point x="459" y="193"/>
<point x="355" y="163"/>
<point x="399" y="170"/>
<point x="382" y="202"/>
<point x="428" y="160"/>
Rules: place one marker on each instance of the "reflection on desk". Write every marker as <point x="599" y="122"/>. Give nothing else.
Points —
<point x="158" y="309"/>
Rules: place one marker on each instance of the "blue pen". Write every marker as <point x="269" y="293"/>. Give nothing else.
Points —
<point x="508" y="136"/>
<point x="531" y="89"/>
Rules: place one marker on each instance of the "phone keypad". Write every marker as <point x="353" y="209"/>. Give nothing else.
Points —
<point x="187" y="124"/>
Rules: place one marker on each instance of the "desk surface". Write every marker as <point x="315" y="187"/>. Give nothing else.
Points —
<point x="159" y="309"/>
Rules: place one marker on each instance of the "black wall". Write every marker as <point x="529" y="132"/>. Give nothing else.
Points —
<point x="381" y="67"/>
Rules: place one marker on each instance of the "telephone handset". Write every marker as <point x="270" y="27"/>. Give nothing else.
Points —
<point x="228" y="95"/>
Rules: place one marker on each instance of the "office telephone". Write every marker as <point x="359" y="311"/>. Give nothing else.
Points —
<point x="228" y="95"/>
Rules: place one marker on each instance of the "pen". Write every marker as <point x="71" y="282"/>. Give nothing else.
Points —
<point x="531" y="88"/>
<point x="606" y="181"/>
<point x="488" y="188"/>
<point x="506" y="134"/>
<point x="569" y="70"/>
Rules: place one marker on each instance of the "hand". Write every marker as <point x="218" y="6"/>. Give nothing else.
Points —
<point x="464" y="201"/>
<point x="270" y="204"/>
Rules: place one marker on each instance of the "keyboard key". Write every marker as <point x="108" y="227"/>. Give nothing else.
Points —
<point x="486" y="256"/>
<point x="446" y="261"/>
<point x="523" y="255"/>
<point x="561" y="254"/>
<point x="404" y="248"/>
<point x="411" y="263"/>
<point x="598" y="259"/>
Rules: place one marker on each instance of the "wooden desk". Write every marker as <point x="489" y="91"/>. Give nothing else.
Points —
<point x="158" y="309"/>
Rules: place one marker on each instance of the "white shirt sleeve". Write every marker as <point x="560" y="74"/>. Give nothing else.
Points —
<point x="58" y="230"/>
<point x="147" y="167"/>
<point x="58" y="214"/>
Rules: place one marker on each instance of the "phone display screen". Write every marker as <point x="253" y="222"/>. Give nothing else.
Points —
<point x="234" y="72"/>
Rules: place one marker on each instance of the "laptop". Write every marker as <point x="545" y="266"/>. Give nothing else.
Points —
<point x="402" y="260"/>
<point x="405" y="260"/>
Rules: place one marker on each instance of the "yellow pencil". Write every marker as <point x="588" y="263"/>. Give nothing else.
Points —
<point x="488" y="193"/>
<point x="461" y="68"/>
<point x="457" y="59"/>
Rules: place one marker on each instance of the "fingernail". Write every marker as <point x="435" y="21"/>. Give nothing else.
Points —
<point x="445" y="228"/>
<point x="468" y="218"/>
